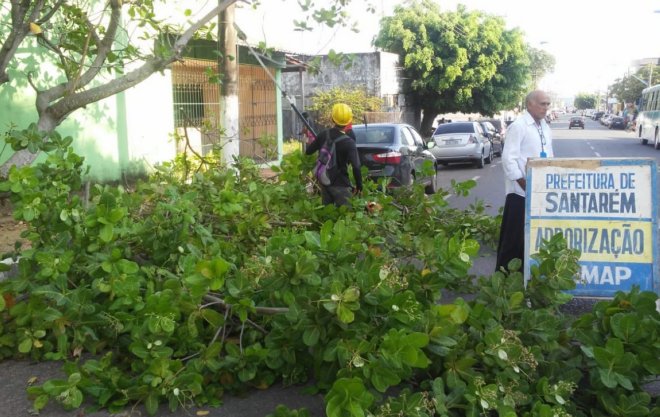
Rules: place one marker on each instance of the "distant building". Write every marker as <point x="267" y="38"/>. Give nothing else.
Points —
<point x="377" y="73"/>
<point x="644" y="62"/>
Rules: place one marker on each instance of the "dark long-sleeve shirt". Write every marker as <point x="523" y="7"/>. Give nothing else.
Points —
<point x="345" y="153"/>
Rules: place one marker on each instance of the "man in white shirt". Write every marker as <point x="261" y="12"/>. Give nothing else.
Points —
<point x="528" y="137"/>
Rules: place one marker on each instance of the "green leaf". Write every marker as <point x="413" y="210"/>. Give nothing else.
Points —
<point x="344" y="314"/>
<point x="50" y="314"/>
<point x="128" y="267"/>
<point x="139" y="351"/>
<point x="624" y="326"/>
<point x="25" y="346"/>
<point x="151" y="404"/>
<point x="106" y="233"/>
<point x="623" y="381"/>
<point x="311" y="336"/>
<point x="351" y="294"/>
<point x="40" y="402"/>
<point x="516" y="299"/>
<point x="607" y="377"/>
<point x="416" y="340"/>
<point x="383" y="377"/>
<point x="74" y="399"/>
<point x="460" y="313"/>
<point x="313" y="239"/>
<point x="2" y="302"/>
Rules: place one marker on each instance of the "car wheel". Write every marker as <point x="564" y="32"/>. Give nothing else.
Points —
<point x="480" y="162"/>
<point x="490" y="155"/>
<point x="433" y="186"/>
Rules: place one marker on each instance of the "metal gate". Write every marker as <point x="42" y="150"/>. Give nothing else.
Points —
<point x="197" y="109"/>
<point x="196" y="104"/>
<point x="257" y="103"/>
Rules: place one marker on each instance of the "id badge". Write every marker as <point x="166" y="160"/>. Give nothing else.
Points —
<point x="543" y="154"/>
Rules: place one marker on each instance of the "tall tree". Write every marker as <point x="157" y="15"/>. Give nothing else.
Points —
<point x="540" y="63"/>
<point x="629" y="88"/>
<point x="585" y="101"/>
<point x="455" y="61"/>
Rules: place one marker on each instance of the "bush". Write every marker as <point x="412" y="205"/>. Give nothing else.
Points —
<point x="179" y="292"/>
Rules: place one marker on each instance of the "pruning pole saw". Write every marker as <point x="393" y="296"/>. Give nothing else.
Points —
<point x="241" y="35"/>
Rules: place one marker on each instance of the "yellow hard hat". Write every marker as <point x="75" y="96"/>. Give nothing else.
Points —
<point x="342" y="114"/>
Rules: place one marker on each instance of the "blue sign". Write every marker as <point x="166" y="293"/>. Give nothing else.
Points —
<point x="606" y="209"/>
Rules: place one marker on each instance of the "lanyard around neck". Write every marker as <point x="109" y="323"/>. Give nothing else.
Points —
<point x="539" y="128"/>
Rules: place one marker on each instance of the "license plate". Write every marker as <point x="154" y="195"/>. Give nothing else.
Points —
<point x="452" y="141"/>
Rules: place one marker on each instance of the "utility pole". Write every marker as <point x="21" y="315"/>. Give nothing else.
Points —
<point x="228" y="65"/>
<point x="651" y="66"/>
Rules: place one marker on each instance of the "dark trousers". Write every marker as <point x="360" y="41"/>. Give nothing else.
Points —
<point x="337" y="195"/>
<point x="512" y="231"/>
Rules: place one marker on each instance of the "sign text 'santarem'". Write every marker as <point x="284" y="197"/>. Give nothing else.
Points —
<point x="607" y="209"/>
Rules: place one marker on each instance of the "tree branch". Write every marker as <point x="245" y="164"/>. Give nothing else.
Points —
<point x="19" y="30"/>
<point x="213" y="300"/>
<point x="66" y="104"/>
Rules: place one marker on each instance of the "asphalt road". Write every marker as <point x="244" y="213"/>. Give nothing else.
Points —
<point x="593" y="141"/>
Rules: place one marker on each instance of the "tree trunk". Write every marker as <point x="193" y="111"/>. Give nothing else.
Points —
<point x="229" y="89"/>
<point x="427" y="122"/>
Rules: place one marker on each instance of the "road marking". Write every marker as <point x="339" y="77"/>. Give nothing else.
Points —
<point x="476" y="178"/>
<point x="597" y="154"/>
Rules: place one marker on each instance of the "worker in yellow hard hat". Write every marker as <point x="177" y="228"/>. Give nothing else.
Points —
<point x="339" y="189"/>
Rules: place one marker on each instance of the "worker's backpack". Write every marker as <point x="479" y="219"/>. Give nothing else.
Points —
<point x="326" y="169"/>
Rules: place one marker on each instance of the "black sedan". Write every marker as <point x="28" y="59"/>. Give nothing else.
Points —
<point x="576" y="122"/>
<point x="396" y="151"/>
<point x="617" y="122"/>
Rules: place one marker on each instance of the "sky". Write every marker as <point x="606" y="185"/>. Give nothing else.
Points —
<point x="593" y="41"/>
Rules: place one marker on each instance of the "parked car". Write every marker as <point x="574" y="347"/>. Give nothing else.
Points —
<point x="597" y="115"/>
<point x="605" y="120"/>
<point x="617" y="122"/>
<point x="576" y="122"/>
<point x="494" y="136"/>
<point x="499" y="125"/>
<point x="461" y="142"/>
<point x="395" y="151"/>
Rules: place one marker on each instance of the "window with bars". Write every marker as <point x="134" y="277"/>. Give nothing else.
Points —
<point x="188" y="105"/>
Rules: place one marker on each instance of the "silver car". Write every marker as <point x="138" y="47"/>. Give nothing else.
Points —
<point x="461" y="142"/>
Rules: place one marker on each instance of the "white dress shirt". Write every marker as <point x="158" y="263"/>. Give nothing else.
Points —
<point x="524" y="139"/>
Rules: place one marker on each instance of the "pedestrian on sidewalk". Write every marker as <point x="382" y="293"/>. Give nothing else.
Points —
<point x="529" y="136"/>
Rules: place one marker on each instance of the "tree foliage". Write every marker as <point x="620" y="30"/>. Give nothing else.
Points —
<point x="585" y="101"/>
<point x="358" y="100"/>
<point x="540" y="64"/>
<point x="456" y="61"/>
<point x="628" y="89"/>
<point x="178" y="292"/>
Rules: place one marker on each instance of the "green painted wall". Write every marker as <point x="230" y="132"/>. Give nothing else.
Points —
<point x="126" y="133"/>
